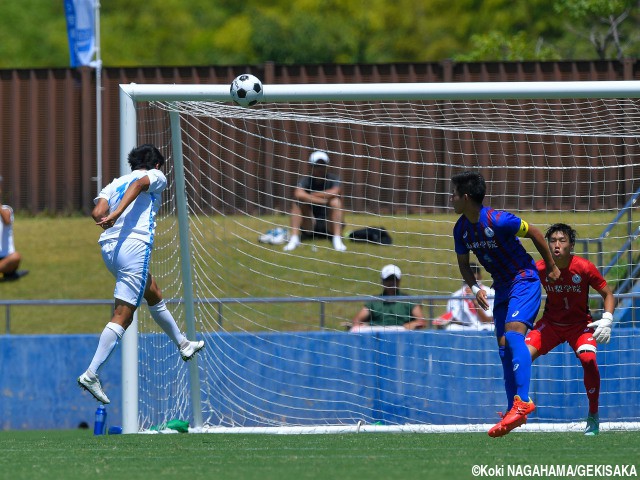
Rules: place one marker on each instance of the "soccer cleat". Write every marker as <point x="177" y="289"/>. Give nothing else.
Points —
<point x="593" y="425"/>
<point x="500" y="429"/>
<point x="93" y="387"/>
<point x="189" y="351"/>
<point x="518" y="414"/>
<point x="515" y="418"/>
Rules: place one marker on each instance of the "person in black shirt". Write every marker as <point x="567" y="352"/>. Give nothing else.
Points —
<point x="316" y="210"/>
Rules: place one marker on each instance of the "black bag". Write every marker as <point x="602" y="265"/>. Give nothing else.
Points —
<point x="378" y="235"/>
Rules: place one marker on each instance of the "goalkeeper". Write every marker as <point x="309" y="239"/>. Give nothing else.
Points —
<point x="566" y="315"/>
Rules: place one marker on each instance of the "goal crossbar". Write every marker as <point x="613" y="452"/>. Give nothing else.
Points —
<point x="394" y="91"/>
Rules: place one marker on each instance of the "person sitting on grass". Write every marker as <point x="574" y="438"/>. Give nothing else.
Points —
<point x="10" y="258"/>
<point x="316" y="210"/>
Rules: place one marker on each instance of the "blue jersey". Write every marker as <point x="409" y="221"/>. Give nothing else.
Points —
<point x="495" y="243"/>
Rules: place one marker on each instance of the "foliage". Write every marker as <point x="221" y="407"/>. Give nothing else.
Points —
<point x="33" y="34"/>
<point x="516" y="47"/>
<point x="204" y="32"/>
<point x="608" y="25"/>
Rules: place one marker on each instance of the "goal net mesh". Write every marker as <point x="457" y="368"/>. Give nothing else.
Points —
<point x="278" y="351"/>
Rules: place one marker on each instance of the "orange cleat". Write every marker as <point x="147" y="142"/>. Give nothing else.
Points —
<point x="498" y="429"/>
<point x="516" y="417"/>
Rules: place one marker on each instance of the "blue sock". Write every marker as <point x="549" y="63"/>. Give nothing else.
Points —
<point x="509" y="379"/>
<point x="521" y="360"/>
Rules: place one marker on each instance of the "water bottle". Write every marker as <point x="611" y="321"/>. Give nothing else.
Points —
<point x="101" y="421"/>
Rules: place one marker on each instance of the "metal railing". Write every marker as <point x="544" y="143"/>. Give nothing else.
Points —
<point x="7" y="304"/>
<point x="430" y="302"/>
<point x="220" y="302"/>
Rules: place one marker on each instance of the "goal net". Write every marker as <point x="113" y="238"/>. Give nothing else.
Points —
<point x="278" y="351"/>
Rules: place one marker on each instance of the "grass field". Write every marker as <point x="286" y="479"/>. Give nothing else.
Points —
<point x="64" y="260"/>
<point x="79" y="455"/>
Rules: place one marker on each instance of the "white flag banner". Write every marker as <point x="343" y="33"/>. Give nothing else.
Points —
<point x="81" y="30"/>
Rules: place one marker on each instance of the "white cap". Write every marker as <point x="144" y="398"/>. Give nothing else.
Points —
<point x="389" y="270"/>
<point x="318" y="156"/>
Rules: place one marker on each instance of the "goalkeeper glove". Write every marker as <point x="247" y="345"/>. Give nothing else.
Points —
<point x="603" y="328"/>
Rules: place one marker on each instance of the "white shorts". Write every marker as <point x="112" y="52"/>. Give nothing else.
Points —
<point x="128" y="262"/>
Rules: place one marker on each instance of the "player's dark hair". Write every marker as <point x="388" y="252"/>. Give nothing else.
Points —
<point x="146" y="157"/>
<point x="470" y="183"/>
<point x="569" y="232"/>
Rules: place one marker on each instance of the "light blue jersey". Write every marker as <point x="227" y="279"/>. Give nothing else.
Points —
<point x="138" y="221"/>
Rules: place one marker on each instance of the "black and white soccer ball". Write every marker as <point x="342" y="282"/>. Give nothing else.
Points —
<point x="246" y="90"/>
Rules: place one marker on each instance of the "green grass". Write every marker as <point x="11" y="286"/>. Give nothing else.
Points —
<point x="79" y="455"/>
<point x="65" y="263"/>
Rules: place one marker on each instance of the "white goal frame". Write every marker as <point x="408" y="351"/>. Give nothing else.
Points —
<point x="130" y="94"/>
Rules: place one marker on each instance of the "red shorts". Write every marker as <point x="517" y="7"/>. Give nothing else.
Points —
<point x="546" y="336"/>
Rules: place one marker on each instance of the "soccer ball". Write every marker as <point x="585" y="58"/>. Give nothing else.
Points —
<point x="246" y="90"/>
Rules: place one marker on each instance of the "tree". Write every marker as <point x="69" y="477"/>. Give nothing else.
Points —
<point x="609" y="25"/>
<point x="225" y="32"/>
<point x="511" y="48"/>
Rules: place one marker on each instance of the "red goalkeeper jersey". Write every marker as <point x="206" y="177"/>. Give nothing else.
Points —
<point x="568" y="298"/>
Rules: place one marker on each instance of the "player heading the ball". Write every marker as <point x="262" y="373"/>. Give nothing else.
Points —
<point x="126" y="210"/>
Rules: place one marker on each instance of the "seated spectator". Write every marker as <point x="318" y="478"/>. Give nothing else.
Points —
<point x="464" y="313"/>
<point x="392" y="313"/>
<point x="316" y="210"/>
<point x="9" y="257"/>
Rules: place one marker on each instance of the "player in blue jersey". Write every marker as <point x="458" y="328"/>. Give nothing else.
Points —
<point x="492" y="235"/>
<point x="126" y="210"/>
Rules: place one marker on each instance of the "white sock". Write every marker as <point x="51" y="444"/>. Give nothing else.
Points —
<point x="108" y="340"/>
<point x="165" y="320"/>
<point x="337" y="243"/>
<point x="294" y="241"/>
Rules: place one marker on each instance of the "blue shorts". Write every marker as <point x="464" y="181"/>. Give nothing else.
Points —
<point x="518" y="302"/>
<point x="128" y="262"/>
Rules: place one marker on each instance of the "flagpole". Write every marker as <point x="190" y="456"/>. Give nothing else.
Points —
<point x="98" y="62"/>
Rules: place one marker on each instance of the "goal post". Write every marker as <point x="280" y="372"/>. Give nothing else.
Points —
<point x="277" y="353"/>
